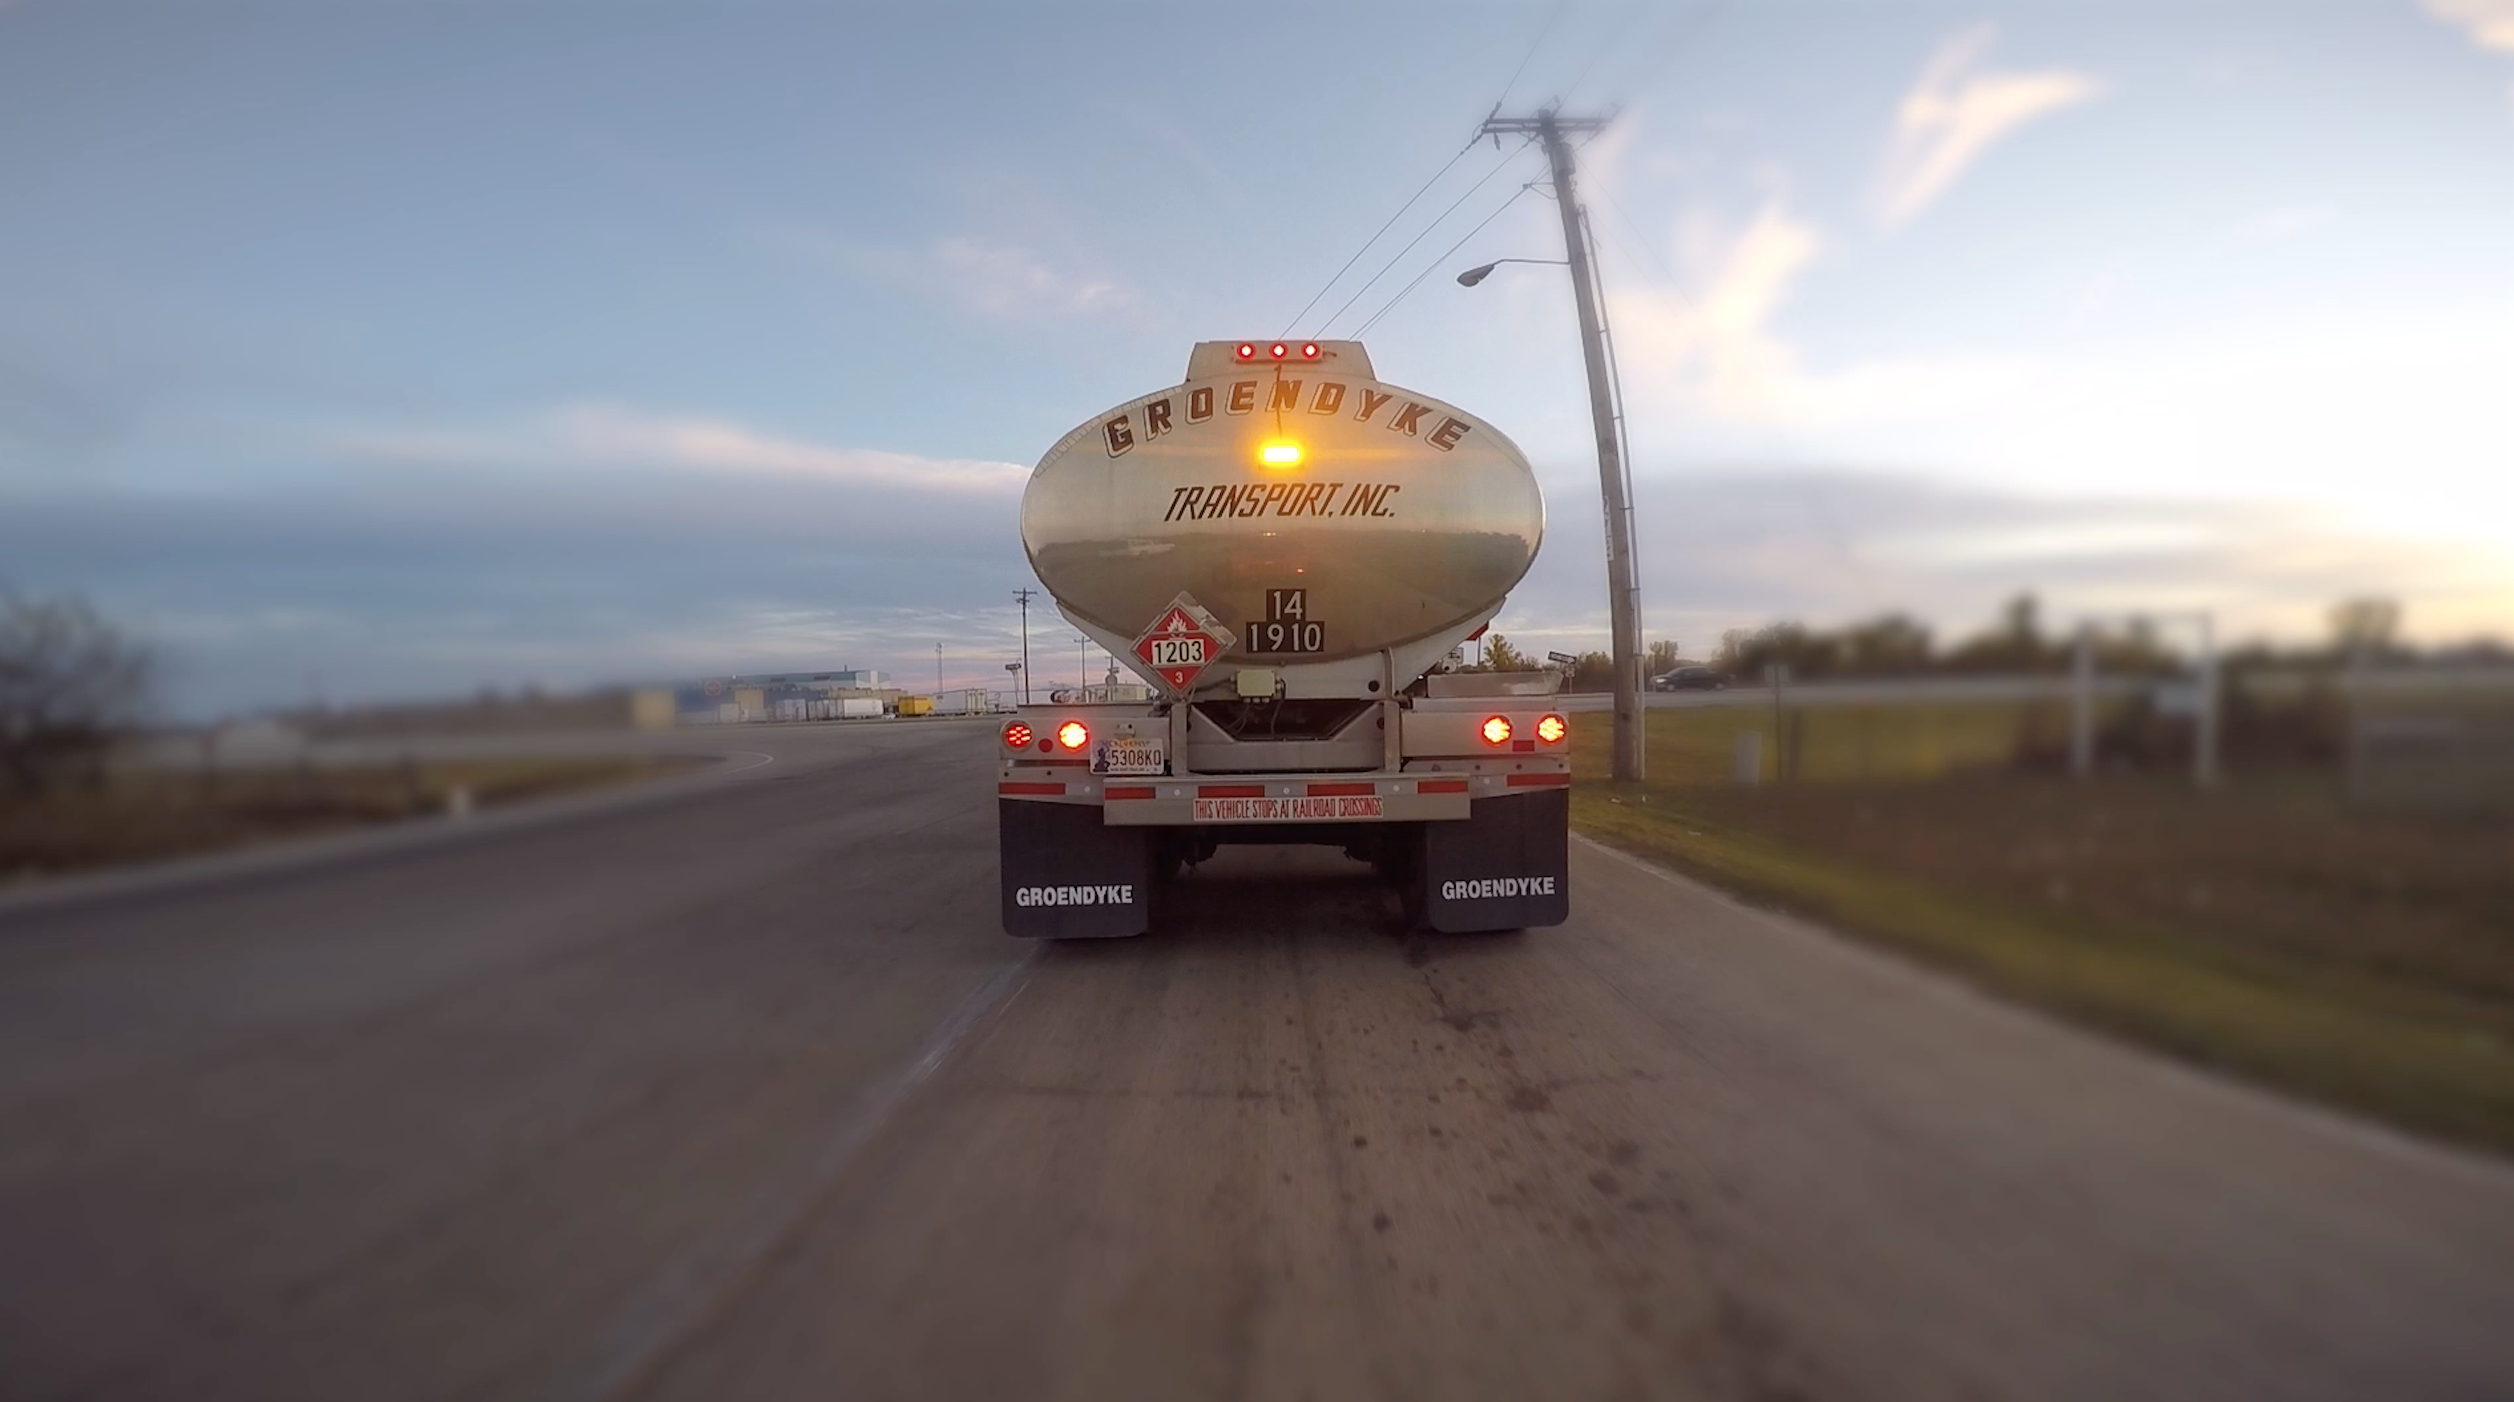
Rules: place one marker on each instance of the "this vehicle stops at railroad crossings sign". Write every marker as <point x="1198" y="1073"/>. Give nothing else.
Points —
<point x="1182" y="642"/>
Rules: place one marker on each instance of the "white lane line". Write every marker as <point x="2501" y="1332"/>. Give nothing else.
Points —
<point x="1934" y="983"/>
<point x="678" y="1304"/>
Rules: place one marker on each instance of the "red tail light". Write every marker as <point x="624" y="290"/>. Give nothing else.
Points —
<point x="1310" y="351"/>
<point x="1016" y="736"/>
<point x="1552" y="729"/>
<point x="1281" y="350"/>
<point x="1497" y="730"/>
<point x="1247" y="351"/>
<point x="1073" y="735"/>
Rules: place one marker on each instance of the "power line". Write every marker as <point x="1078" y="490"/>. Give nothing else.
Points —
<point x="1436" y="263"/>
<point x="1399" y="256"/>
<point x="1674" y="285"/>
<point x="1683" y="36"/>
<point x="1384" y="228"/>
<point x="1542" y="31"/>
<point x="1613" y="36"/>
<point x="1830" y="524"/>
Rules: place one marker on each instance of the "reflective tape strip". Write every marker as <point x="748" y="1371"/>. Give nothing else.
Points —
<point x="1539" y="781"/>
<point x="1340" y="790"/>
<point x="1128" y="791"/>
<point x="1030" y="788"/>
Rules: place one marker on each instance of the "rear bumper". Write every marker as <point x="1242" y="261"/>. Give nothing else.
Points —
<point x="1239" y="800"/>
<point x="1504" y="865"/>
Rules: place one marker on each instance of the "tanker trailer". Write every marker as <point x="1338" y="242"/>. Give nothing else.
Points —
<point x="1286" y="549"/>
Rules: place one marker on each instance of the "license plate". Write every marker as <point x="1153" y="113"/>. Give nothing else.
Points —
<point x="1285" y="810"/>
<point x="1128" y="755"/>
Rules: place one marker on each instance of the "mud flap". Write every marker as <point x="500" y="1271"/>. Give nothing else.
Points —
<point x="1506" y="868"/>
<point x="1067" y="875"/>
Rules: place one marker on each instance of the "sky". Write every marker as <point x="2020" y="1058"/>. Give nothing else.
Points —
<point x="380" y="348"/>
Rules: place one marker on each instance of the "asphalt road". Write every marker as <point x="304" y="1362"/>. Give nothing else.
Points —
<point x="736" y="1091"/>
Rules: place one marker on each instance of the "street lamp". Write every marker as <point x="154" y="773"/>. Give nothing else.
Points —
<point x="1473" y="276"/>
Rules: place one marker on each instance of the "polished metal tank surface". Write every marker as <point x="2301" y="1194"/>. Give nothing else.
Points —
<point x="1398" y="515"/>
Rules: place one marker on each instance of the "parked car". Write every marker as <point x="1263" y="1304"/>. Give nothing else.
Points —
<point x="1689" y="679"/>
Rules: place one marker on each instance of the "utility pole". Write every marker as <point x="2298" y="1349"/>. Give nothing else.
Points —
<point x="2082" y="705"/>
<point x="2204" y="725"/>
<point x="1024" y="596"/>
<point x="938" y="671"/>
<point x="1623" y="591"/>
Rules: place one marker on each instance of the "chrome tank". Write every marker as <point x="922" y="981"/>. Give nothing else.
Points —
<point x="1404" y="518"/>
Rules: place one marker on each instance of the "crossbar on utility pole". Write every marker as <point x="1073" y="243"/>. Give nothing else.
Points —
<point x="1623" y="589"/>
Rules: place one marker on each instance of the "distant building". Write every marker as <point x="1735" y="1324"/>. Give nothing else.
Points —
<point x="779" y="696"/>
<point x="865" y="680"/>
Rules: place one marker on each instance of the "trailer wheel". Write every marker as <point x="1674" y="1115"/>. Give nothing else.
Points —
<point x="1169" y="857"/>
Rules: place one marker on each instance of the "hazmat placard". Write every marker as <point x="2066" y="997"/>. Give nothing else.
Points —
<point x="1182" y="642"/>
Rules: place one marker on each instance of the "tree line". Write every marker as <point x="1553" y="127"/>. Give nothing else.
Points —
<point x="72" y="685"/>
<point x="1894" y="644"/>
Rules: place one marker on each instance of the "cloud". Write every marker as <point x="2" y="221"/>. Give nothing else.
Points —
<point x="447" y="577"/>
<point x="594" y="432"/>
<point x="1954" y="114"/>
<point x="600" y="436"/>
<point x="434" y="577"/>
<point x="1000" y="280"/>
<point x="579" y="543"/>
<point x="1738" y="547"/>
<point x="1003" y="280"/>
<point x="1165" y="130"/>
<point x="2279" y="225"/>
<point x="2490" y="22"/>
<point x="1715" y="354"/>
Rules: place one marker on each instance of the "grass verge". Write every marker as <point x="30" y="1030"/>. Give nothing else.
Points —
<point x="2389" y="1048"/>
<point x="155" y="815"/>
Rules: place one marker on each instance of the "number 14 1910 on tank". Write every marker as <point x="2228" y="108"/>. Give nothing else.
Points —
<point x="1287" y="626"/>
